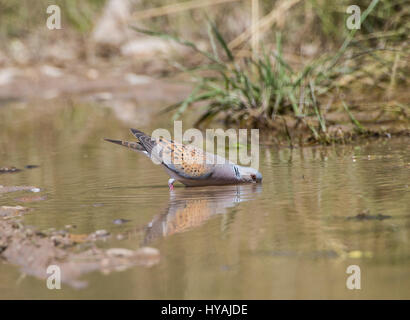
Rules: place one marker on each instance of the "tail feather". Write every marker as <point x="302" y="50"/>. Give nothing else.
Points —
<point x="131" y="145"/>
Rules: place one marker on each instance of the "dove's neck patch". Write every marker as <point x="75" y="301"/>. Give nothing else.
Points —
<point x="237" y="174"/>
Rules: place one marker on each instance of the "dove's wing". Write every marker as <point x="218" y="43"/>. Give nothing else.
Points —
<point x="147" y="142"/>
<point x="186" y="161"/>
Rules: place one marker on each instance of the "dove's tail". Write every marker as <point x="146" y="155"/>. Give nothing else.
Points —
<point x="144" y="140"/>
<point x="131" y="145"/>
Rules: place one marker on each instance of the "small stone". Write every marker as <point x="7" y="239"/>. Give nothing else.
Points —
<point x="51" y="71"/>
<point x="105" y="262"/>
<point x="135" y="79"/>
<point x="35" y="190"/>
<point x="7" y="75"/>
<point x="31" y="166"/>
<point x="96" y="205"/>
<point x="92" y="74"/>
<point x="77" y="238"/>
<point x="101" y="233"/>
<point x="103" y="96"/>
<point x="120" y="252"/>
<point x="61" y="232"/>
<point x="40" y="234"/>
<point x="16" y="225"/>
<point x="6" y="189"/>
<point x="365" y="215"/>
<point x="7" y="211"/>
<point x="147" y="256"/>
<point x="148" y="252"/>
<point x="31" y="199"/>
<point x="9" y="170"/>
<point x="120" y="221"/>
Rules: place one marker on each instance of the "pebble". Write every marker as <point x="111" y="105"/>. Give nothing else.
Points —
<point x="31" y="198"/>
<point x="121" y="252"/>
<point x="31" y="166"/>
<point x="101" y="233"/>
<point x="120" y="221"/>
<point x="148" y="251"/>
<point x="9" y="170"/>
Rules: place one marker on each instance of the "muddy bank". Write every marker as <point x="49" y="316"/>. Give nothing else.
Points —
<point x="131" y="96"/>
<point x="45" y="82"/>
<point x="292" y="132"/>
<point x="76" y="255"/>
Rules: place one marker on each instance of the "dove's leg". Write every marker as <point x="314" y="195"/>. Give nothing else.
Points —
<point x="171" y="184"/>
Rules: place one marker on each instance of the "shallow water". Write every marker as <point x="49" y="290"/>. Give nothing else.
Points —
<point x="290" y="237"/>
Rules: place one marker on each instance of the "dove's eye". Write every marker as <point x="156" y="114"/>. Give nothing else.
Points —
<point x="253" y="176"/>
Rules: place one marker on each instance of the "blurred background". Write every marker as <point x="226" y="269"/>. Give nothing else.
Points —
<point x="98" y="54"/>
<point x="312" y="26"/>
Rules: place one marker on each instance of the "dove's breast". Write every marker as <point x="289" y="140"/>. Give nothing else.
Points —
<point x="220" y="175"/>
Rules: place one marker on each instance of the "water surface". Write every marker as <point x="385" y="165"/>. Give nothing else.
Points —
<point x="290" y="237"/>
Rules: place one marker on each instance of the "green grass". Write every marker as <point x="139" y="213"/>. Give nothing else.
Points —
<point x="252" y="92"/>
<point x="257" y="93"/>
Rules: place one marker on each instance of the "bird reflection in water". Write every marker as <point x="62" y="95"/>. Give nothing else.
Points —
<point x="191" y="207"/>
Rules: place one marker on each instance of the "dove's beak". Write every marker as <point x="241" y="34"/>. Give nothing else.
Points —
<point x="256" y="177"/>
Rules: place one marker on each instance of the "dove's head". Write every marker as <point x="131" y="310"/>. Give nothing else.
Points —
<point x="248" y="174"/>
